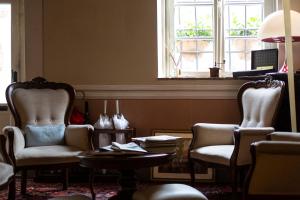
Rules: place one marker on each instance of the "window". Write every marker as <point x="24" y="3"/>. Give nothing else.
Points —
<point x="194" y="35"/>
<point x="5" y="49"/>
<point x="10" y="46"/>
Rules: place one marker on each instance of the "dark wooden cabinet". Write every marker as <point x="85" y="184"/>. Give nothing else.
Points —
<point x="283" y="122"/>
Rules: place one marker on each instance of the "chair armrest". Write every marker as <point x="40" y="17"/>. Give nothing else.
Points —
<point x="79" y="136"/>
<point x="284" y="136"/>
<point x="16" y="140"/>
<point x="206" y="134"/>
<point x="275" y="169"/>
<point x="277" y="147"/>
<point x="243" y="137"/>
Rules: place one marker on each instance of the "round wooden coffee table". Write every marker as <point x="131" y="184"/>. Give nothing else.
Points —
<point x="125" y="163"/>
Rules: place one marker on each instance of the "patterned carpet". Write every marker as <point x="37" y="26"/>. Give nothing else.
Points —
<point x="104" y="190"/>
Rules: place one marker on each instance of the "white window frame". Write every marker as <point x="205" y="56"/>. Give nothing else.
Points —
<point x="165" y="24"/>
<point x="17" y="38"/>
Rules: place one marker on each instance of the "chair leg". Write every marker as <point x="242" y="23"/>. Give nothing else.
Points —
<point x="192" y="172"/>
<point x="65" y="178"/>
<point x="12" y="189"/>
<point x="23" y="181"/>
<point x="234" y="180"/>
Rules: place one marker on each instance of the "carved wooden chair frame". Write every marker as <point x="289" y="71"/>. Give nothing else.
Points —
<point x="40" y="83"/>
<point x="234" y="169"/>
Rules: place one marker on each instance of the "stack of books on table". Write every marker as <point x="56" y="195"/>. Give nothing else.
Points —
<point x="158" y="144"/>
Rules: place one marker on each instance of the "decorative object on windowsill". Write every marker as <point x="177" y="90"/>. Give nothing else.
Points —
<point x="104" y="122"/>
<point x="176" y="59"/>
<point x="272" y="30"/>
<point x="214" y="72"/>
<point x="120" y="123"/>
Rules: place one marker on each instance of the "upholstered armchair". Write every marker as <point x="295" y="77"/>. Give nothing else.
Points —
<point x="219" y="145"/>
<point x="7" y="178"/>
<point x="42" y="136"/>
<point x="274" y="173"/>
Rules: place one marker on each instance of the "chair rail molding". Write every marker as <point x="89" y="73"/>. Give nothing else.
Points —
<point x="184" y="91"/>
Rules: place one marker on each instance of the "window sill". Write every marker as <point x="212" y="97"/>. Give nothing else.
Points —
<point x="198" y="78"/>
<point x="261" y="77"/>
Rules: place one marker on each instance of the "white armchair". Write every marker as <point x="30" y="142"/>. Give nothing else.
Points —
<point x="274" y="173"/>
<point x="42" y="136"/>
<point x="216" y="145"/>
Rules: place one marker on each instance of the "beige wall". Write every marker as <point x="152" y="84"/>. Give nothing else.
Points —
<point x="113" y="42"/>
<point x="148" y="115"/>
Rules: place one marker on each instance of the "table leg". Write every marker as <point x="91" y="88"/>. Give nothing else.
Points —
<point x="128" y="184"/>
<point x="91" y="183"/>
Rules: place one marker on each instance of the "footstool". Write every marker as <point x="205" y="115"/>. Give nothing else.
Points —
<point x="169" y="192"/>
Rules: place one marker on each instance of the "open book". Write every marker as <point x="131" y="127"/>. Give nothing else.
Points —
<point x="129" y="147"/>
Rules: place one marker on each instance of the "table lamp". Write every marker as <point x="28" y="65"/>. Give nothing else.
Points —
<point x="272" y="30"/>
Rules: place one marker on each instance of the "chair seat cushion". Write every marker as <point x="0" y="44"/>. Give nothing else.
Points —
<point x="219" y="154"/>
<point x="169" y="192"/>
<point x="6" y="171"/>
<point x="45" y="155"/>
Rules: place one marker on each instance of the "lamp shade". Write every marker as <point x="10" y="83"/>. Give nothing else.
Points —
<point x="272" y="28"/>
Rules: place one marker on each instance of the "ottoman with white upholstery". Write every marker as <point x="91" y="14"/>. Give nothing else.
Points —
<point x="169" y="192"/>
<point x="6" y="172"/>
<point x="73" y="197"/>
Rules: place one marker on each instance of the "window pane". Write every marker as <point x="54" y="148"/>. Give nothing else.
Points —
<point x="189" y="62"/>
<point x="237" y="61"/>
<point x="205" y="45"/>
<point x="237" y="44"/>
<point x="194" y="34"/>
<point x="5" y="49"/>
<point x="206" y="61"/>
<point x="242" y="18"/>
<point x="189" y="45"/>
<point x="253" y="44"/>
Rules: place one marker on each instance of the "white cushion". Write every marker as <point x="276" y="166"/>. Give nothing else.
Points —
<point x="219" y="154"/>
<point x="259" y="106"/>
<point x="169" y="192"/>
<point x="6" y="171"/>
<point x="45" y="155"/>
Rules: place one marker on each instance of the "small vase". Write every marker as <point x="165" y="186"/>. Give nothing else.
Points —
<point x="214" y="72"/>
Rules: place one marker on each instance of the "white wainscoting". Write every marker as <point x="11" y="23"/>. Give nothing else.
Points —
<point x="158" y="91"/>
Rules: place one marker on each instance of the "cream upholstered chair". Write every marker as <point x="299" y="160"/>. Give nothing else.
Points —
<point x="42" y="136"/>
<point x="216" y="145"/>
<point x="7" y="178"/>
<point x="274" y="173"/>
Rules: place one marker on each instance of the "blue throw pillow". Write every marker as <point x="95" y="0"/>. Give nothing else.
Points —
<point x="44" y="135"/>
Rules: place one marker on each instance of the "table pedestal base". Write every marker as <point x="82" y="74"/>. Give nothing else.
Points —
<point x="127" y="181"/>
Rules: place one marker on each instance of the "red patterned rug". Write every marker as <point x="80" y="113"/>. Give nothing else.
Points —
<point x="104" y="190"/>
